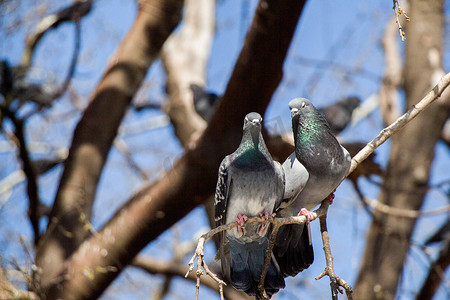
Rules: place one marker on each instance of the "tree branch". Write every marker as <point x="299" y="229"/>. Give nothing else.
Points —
<point x="386" y="133"/>
<point x="30" y="173"/>
<point x="436" y="274"/>
<point x="74" y="12"/>
<point x="335" y="281"/>
<point x="10" y="291"/>
<point x="171" y="268"/>
<point x="192" y="179"/>
<point x="411" y="154"/>
<point x="95" y="133"/>
<point x="185" y="56"/>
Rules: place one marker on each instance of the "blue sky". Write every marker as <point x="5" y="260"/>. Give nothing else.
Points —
<point x="344" y="35"/>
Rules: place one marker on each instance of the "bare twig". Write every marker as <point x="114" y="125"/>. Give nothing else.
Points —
<point x="400" y="212"/>
<point x="10" y="291"/>
<point x="123" y="148"/>
<point x="74" y="12"/>
<point x="398" y="12"/>
<point x="335" y="281"/>
<point x="74" y="61"/>
<point x="32" y="187"/>
<point x="402" y="121"/>
<point x="267" y="261"/>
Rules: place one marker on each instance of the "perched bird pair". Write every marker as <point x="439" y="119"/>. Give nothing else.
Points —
<point x="251" y="184"/>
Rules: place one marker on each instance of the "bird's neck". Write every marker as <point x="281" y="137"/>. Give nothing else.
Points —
<point x="314" y="144"/>
<point x="252" y="148"/>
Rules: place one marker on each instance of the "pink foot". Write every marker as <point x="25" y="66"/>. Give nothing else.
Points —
<point x="309" y="215"/>
<point x="241" y="219"/>
<point x="263" y="226"/>
<point x="331" y="197"/>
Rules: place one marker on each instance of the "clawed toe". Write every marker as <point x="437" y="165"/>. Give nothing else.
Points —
<point x="309" y="215"/>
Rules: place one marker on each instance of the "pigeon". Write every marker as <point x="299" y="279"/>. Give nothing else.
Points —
<point x="204" y="102"/>
<point x="339" y="114"/>
<point x="315" y="169"/>
<point x="249" y="184"/>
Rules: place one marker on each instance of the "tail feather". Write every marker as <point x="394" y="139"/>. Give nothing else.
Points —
<point x="247" y="262"/>
<point x="293" y="250"/>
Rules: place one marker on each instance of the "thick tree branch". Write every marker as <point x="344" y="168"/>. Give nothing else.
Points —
<point x="436" y="274"/>
<point x="412" y="152"/>
<point x="185" y="56"/>
<point x="96" y="131"/>
<point x="192" y="180"/>
<point x="389" y="97"/>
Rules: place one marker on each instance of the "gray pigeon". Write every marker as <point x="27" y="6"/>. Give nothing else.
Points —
<point x="205" y="103"/>
<point x="339" y="114"/>
<point x="321" y="162"/>
<point x="249" y="184"/>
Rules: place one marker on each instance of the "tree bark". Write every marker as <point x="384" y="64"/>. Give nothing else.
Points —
<point x="95" y="133"/>
<point x="412" y="152"/>
<point x="191" y="181"/>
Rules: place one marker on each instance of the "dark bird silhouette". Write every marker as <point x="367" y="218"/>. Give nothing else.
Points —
<point x="205" y="103"/>
<point x="339" y="114"/>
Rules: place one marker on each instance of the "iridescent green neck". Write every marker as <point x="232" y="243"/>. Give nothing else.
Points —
<point x="251" y="149"/>
<point x="306" y="133"/>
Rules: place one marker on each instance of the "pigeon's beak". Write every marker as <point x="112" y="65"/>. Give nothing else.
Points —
<point x="294" y="111"/>
<point x="256" y="122"/>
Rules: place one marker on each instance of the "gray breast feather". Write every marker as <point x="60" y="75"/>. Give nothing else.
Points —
<point x="295" y="175"/>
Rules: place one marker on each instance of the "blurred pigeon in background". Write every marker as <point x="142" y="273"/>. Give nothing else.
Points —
<point x="339" y="114"/>
<point x="204" y="102"/>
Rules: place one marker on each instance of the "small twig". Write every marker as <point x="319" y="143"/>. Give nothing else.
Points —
<point x="335" y="281"/>
<point x="361" y="197"/>
<point x="401" y="122"/>
<point x="123" y="148"/>
<point x="268" y="260"/>
<point x="400" y="212"/>
<point x="74" y="61"/>
<point x="398" y="12"/>
<point x="24" y="155"/>
<point x="74" y="12"/>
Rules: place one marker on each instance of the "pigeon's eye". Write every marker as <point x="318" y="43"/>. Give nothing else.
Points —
<point x="303" y="105"/>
